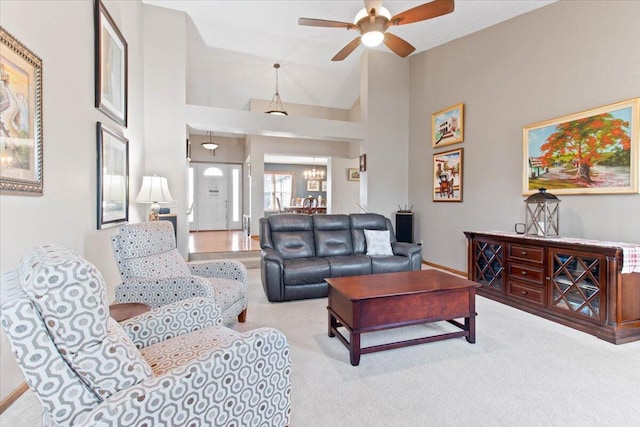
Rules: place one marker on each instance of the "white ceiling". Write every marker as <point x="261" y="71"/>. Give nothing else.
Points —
<point x="269" y="31"/>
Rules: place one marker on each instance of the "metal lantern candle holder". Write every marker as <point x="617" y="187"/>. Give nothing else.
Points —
<point x="542" y="214"/>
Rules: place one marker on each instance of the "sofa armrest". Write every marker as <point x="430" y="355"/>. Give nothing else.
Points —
<point x="405" y="249"/>
<point x="172" y="320"/>
<point x="272" y="274"/>
<point x="272" y="255"/>
<point x="165" y="290"/>
<point x="221" y="269"/>
<point x="263" y="355"/>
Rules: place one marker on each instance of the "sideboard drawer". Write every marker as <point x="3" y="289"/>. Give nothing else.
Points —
<point x="526" y="272"/>
<point x="527" y="253"/>
<point x="529" y="293"/>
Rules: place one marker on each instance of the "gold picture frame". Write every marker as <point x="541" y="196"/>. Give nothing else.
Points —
<point x="354" y="174"/>
<point x="591" y="152"/>
<point x="447" y="126"/>
<point x="447" y="176"/>
<point x="21" y="147"/>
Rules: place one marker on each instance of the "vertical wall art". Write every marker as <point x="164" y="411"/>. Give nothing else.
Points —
<point x="594" y="151"/>
<point x="21" y="140"/>
<point x="111" y="66"/>
<point x="113" y="178"/>
<point x="447" y="126"/>
<point x="447" y="179"/>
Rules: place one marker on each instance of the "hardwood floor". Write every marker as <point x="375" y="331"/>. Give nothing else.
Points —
<point x="222" y="241"/>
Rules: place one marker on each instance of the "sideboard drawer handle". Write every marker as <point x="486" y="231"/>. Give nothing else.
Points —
<point x="524" y="273"/>
<point x="523" y="252"/>
<point x="524" y="292"/>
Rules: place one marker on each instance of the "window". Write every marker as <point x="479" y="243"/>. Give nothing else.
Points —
<point x="280" y="185"/>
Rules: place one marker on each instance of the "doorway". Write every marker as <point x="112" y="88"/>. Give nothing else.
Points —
<point x="215" y="196"/>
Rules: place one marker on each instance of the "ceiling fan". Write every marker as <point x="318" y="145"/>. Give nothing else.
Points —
<point x="373" y="21"/>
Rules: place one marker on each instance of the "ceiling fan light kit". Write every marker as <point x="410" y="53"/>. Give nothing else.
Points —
<point x="373" y="22"/>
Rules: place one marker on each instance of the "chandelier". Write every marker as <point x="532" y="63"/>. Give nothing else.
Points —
<point x="313" y="173"/>
<point x="276" y="108"/>
<point x="210" y="144"/>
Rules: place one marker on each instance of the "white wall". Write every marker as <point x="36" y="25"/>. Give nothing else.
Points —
<point x="560" y="59"/>
<point x="61" y="33"/>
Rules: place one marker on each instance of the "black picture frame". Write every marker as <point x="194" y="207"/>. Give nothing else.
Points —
<point x="111" y="66"/>
<point x="113" y="178"/>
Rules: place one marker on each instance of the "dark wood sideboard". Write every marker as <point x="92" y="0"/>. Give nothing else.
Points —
<point x="575" y="282"/>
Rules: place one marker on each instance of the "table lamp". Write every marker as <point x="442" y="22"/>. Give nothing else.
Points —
<point x="154" y="190"/>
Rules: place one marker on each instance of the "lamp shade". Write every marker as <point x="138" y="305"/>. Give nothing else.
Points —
<point x="113" y="188"/>
<point x="155" y="189"/>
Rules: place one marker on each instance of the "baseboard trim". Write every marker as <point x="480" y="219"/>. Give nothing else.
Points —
<point x="442" y="267"/>
<point x="12" y="397"/>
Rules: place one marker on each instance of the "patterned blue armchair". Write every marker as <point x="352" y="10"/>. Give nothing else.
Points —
<point x="154" y="272"/>
<point x="171" y="366"/>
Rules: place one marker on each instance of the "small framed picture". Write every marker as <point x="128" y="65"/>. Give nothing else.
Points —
<point x="313" y="185"/>
<point x="324" y="186"/>
<point x="363" y="163"/>
<point x="354" y="174"/>
<point x="447" y="176"/>
<point x="447" y="126"/>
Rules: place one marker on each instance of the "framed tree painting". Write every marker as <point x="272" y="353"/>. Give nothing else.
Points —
<point x="447" y="126"/>
<point x="111" y="66"/>
<point x="21" y="141"/>
<point x="113" y="178"/>
<point x="447" y="176"/>
<point x="592" y="152"/>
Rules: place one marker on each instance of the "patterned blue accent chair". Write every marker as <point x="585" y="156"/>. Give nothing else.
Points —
<point x="154" y="272"/>
<point x="172" y="366"/>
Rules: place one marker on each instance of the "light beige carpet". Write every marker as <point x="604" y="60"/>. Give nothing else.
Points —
<point x="522" y="371"/>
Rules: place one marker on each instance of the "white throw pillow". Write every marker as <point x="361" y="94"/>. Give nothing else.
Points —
<point x="378" y="242"/>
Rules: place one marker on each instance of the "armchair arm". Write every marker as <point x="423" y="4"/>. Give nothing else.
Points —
<point x="165" y="290"/>
<point x="405" y="249"/>
<point x="172" y="320"/>
<point x="222" y="269"/>
<point x="252" y="367"/>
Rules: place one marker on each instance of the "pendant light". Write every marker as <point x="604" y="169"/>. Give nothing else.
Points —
<point x="276" y="108"/>
<point x="209" y="144"/>
<point x="313" y="173"/>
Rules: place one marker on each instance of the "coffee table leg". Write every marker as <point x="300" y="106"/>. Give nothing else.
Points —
<point x="354" y="348"/>
<point x="333" y="323"/>
<point x="470" y="325"/>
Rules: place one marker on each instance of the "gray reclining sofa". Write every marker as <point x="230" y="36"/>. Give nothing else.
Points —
<point x="300" y="251"/>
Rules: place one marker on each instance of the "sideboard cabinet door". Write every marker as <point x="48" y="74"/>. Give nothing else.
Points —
<point x="488" y="264"/>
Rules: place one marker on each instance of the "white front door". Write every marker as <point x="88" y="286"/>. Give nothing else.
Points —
<point x="216" y="194"/>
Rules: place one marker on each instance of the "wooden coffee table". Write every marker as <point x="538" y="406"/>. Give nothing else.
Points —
<point x="391" y="300"/>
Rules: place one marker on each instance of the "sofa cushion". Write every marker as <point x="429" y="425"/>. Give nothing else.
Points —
<point x="361" y="222"/>
<point x="349" y="265"/>
<point x="378" y="242"/>
<point x="305" y="271"/>
<point x="390" y="264"/>
<point x="292" y="235"/>
<point x="332" y="235"/>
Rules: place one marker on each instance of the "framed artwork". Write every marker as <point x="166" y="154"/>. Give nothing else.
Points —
<point x="363" y="163"/>
<point x="324" y="186"/>
<point x="21" y="119"/>
<point x="354" y="174"/>
<point x="113" y="178"/>
<point x="447" y="176"/>
<point x="447" y="126"/>
<point x="313" y="185"/>
<point x="592" y="152"/>
<point x="111" y="66"/>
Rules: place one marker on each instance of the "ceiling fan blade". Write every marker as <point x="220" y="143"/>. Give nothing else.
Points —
<point x="423" y="12"/>
<point x="310" y="22"/>
<point x="347" y="50"/>
<point x="399" y="46"/>
<point x="372" y="4"/>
